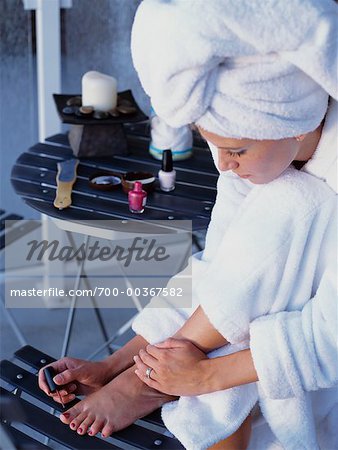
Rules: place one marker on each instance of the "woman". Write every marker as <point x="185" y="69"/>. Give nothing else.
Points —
<point x="222" y="82"/>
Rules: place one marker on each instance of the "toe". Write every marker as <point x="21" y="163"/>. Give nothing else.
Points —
<point x="96" y="427"/>
<point x="107" y="430"/>
<point x="76" y="421"/>
<point x="86" y="423"/>
<point x="68" y="416"/>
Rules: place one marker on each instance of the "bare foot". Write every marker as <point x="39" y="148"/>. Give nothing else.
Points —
<point x="115" y="406"/>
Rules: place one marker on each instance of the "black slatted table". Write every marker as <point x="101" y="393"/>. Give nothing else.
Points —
<point x="33" y="178"/>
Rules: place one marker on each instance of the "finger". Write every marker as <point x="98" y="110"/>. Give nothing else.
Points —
<point x="42" y="380"/>
<point x="157" y="353"/>
<point x="171" y="343"/>
<point x="65" y="377"/>
<point x="148" y="359"/>
<point x="68" y="389"/>
<point x="65" y="398"/>
<point x="142" y="368"/>
<point x="148" y="381"/>
<point x="58" y="366"/>
<point x="42" y="383"/>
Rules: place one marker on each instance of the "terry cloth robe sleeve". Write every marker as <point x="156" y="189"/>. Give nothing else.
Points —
<point x="266" y="260"/>
<point x="296" y="351"/>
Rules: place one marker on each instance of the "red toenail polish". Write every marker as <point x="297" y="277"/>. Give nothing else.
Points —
<point x="80" y="430"/>
<point x="72" y="425"/>
<point x="66" y="414"/>
<point x="90" y="432"/>
<point x="103" y="435"/>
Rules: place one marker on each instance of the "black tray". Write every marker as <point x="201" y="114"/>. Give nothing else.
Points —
<point x="61" y="100"/>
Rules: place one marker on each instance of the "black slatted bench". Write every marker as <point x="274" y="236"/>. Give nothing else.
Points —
<point x="26" y="412"/>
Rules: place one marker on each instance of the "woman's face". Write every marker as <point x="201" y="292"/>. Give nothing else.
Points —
<point x="258" y="161"/>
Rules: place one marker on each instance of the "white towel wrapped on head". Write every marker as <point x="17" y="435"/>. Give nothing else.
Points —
<point x="259" y="70"/>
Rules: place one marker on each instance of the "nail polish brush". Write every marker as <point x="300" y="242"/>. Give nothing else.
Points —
<point x="49" y="375"/>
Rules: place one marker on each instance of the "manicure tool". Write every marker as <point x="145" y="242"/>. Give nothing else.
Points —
<point x="65" y="179"/>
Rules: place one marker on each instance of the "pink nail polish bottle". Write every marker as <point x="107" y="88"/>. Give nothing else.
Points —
<point x="137" y="198"/>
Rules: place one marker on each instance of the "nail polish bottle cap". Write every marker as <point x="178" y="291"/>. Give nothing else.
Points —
<point x="137" y="186"/>
<point x="167" y="161"/>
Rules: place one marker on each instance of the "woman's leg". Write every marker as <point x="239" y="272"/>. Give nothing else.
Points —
<point x="237" y="441"/>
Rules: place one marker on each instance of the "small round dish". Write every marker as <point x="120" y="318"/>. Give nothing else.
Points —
<point x="105" y="181"/>
<point x="146" y="178"/>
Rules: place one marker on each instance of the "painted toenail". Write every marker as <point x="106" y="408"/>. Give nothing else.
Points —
<point x="72" y="425"/>
<point x="90" y="432"/>
<point x="79" y="430"/>
<point x="66" y="414"/>
<point x="103" y="435"/>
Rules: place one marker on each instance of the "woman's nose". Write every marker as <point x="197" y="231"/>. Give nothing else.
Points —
<point x="225" y="162"/>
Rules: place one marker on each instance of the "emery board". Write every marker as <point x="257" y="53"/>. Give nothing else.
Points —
<point x="65" y="179"/>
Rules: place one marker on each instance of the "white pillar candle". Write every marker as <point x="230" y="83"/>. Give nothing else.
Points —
<point x="99" y="91"/>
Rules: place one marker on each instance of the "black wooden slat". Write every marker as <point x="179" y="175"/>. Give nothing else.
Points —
<point x="21" y="441"/>
<point x="29" y="159"/>
<point x="44" y="423"/>
<point x="61" y="138"/>
<point x="28" y="383"/>
<point x="57" y="152"/>
<point x="33" y="357"/>
<point x="80" y="215"/>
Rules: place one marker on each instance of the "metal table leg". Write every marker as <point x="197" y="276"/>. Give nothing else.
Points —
<point x="71" y="314"/>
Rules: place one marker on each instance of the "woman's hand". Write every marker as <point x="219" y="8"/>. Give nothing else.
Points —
<point x="75" y="376"/>
<point x="178" y="368"/>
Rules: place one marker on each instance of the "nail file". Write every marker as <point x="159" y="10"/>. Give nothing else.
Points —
<point x="49" y="375"/>
<point x="65" y="179"/>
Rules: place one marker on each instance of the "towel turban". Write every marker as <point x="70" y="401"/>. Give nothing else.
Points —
<point x="240" y="69"/>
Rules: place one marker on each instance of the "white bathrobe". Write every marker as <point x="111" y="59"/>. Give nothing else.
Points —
<point x="269" y="249"/>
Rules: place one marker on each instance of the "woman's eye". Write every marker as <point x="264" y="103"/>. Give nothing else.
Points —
<point x="236" y="154"/>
